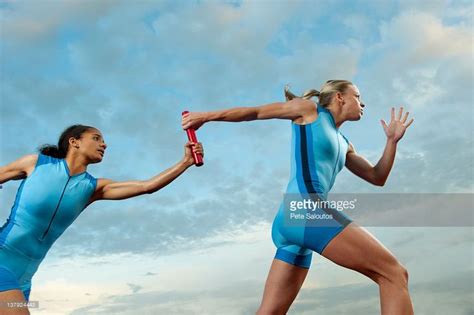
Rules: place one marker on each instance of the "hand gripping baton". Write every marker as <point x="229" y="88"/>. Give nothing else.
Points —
<point x="198" y="161"/>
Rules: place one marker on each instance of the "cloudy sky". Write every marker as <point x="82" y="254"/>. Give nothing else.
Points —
<point x="202" y="245"/>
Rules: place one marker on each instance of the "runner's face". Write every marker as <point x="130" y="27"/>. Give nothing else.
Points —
<point x="354" y="107"/>
<point x="92" y="145"/>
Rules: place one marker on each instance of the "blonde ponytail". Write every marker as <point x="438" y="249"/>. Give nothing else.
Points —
<point x="306" y="95"/>
<point x="324" y="95"/>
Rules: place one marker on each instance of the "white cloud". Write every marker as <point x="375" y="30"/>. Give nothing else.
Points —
<point x="424" y="37"/>
<point x="222" y="280"/>
<point x="20" y="22"/>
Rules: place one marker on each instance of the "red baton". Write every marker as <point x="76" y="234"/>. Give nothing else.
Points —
<point x="192" y="137"/>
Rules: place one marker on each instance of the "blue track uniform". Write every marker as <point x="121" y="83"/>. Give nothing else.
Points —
<point x="47" y="202"/>
<point x="318" y="154"/>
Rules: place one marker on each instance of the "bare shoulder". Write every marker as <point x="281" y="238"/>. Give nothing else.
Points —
<point x="23" y="163"/>
<point x="27" y="163"/>
<point x="302" y="103"/>
<point x="18" y="169"/>
<point x="307" y="110"/>
<point x="102" y="182"/>
<point x="30" y="159"/>
<point x="351" y="148"/>
<point x="99" y="189"/>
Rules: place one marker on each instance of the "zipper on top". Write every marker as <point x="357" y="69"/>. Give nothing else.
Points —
<point x="56" y="210"/>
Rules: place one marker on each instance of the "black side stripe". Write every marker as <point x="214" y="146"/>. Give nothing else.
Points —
<point x="308" y="182"/>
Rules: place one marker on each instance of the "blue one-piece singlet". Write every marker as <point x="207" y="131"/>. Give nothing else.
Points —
<point x="47" y="202"/>
<point x="318" y="154"/>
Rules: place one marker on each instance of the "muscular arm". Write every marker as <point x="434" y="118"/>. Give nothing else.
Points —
<point x="377" y="174"/>
<point x="287" y="110"/>
<point x="111" y="190"/>
<point x="18" y="169"/>
<point x="296" y="109"/>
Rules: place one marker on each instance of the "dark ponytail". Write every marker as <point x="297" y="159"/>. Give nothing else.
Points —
<point x="60" y="150"/>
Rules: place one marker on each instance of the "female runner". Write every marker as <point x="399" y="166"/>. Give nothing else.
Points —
<point x="319" y="152"/>
<point x="56" y="188"/>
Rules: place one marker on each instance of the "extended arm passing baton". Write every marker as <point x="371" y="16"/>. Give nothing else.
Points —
<point x="198" y="161"/>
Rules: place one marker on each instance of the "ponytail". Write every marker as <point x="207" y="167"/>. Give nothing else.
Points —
<point x="324" y="95"/>
<point x="52" y="150"/>
<point x="60" y="150"/>
<point x="306" y="95"/>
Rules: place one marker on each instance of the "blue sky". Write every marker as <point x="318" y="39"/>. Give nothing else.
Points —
<point x="202" y="245"/>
